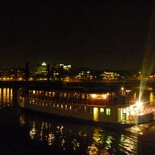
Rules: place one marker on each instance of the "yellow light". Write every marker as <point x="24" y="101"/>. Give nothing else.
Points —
<point x="122" y="88"/>
<point x="99" y="96"/>
<point x="93" y="95"/>
<point x="95" y="114"/>
<point x="104" y="96"/>
<point x="101" y="110"/>
<point x="139" y="103"/>
<point x="44" y="64"/>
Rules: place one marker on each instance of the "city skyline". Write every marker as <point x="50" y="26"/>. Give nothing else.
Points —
<point x="94" y="34"/>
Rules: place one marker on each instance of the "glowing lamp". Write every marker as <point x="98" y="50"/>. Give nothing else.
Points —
<point x="139" y="103"/>
<point x="93" y="95"/>
<point x="104" y="96"/>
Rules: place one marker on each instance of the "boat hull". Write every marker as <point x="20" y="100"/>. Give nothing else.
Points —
<point x="116" y="126"/>
<point x="84" y="107"/>
<point x="75" y="115"/>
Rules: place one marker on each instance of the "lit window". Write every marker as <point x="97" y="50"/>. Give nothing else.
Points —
<point x="107" y="111"/>
<point x="61" y="106"/>
<point x="93" y="95"/>
<point x="85" y="109"/>
<point x="37" y="102"/>
<point x="43" y="104"/>
<point x="46" y="93"/>
<point x="65" y="95"/>
<point x="66" y="107"/>
<point x="83" y="96"/>
<point x="101" y="110"/>
<point x="53" y="94"/>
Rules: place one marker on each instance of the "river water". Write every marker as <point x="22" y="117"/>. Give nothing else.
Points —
<point x="23" y="133"/>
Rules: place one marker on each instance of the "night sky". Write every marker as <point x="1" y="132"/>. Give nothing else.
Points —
<point x="99" y="34"/>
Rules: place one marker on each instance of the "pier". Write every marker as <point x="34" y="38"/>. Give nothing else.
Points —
<point x="82" y="84"/>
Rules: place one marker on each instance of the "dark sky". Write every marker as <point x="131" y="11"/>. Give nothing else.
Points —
<point x="100" y="34"/>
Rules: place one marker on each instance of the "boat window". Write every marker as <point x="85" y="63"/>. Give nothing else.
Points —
<point x="65" y="94"/>
<point x="43" y="104"/>
<point x="66" y="107"/>
<point x="124" y="110"/>
<point x="85" y="109"/>
<point x="101" y="110"/>
<point x="87" y="96"/>
<point x="107" y="111"/>
<point x="61" y="95"/>
<point x="61" y="106"/>
<point x="83" y="96"/>
<point x="46" y="93"/>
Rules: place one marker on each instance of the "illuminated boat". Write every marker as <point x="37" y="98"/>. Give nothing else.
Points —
<point x="112" y="109"/>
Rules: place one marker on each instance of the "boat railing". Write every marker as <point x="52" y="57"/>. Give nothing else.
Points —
<point x="73" y="100"/>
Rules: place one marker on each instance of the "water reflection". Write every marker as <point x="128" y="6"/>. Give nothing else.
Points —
<point x="6" y="96"/>
<point x="128" y="144"/>
<point x="78" y="138"/>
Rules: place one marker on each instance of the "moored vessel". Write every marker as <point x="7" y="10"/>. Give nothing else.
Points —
<point x="112" y="109"/>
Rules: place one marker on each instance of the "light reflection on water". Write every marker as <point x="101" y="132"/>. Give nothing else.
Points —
<point x="79" y="138"/>
<point x="6" y="96"/>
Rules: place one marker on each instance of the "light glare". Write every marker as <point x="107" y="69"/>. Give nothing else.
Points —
<point x="139" y="103"/>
